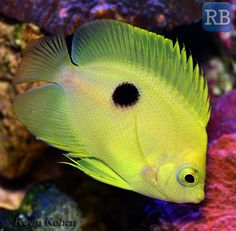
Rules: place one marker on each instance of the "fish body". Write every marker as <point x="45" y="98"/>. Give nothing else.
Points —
<point x="127" y="105"/>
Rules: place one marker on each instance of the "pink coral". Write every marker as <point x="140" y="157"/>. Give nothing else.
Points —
<point x="219" y="210"/>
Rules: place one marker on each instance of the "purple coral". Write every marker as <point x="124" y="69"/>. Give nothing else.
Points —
<point x="223" y="116"/>
<point x="67" y="15"/>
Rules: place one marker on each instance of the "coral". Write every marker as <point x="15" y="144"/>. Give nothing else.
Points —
<point x="66" y="15"/>
<point x="223" y="116"/>
<point x="228" y="39"/>
<point x="221" y="68"/>
<point x="218" y="211"/>
<point x="220" y="76"/>
<point x="44" y="207"/>
<point x="105" y="207"/>
<point x="17" y="147"/>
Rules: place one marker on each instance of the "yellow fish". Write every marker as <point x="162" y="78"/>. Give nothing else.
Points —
<point x="127" y="105"/>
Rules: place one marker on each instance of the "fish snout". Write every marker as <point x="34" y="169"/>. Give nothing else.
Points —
<point x="199" y="197"/>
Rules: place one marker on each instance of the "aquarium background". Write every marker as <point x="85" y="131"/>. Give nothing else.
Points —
<point x="38" y="193"/>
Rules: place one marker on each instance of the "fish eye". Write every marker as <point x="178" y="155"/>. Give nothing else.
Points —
<point x="188" y="176"/>
<point x="126" y="94"/>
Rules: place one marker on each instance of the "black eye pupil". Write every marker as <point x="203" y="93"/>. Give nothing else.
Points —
<point x="189" y="178"/>
<point x="126" y="94"/>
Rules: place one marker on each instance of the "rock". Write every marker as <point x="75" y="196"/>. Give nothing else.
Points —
<point x="10" y="199"/>
<point x="18" y="149"/>
<point x="221" y="78"/>
<point x="228" y="39"/>
<point x="223" y="116"/>
<point x="44" y="207"/>
<point x="67" y="15"/>
<point x="217" y="211"/>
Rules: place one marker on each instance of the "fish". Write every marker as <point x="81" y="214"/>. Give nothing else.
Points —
<point x="128" y="107"/>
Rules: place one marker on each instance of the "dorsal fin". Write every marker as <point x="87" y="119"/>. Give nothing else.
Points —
<point x="108" y="41"/>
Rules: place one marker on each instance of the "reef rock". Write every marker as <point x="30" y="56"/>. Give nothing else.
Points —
<point x="67" y="15"/>
<point x="18" y="149"/>
<point x="44" y="207"/>
<point x="218" y="211"/>
<point x="220" y="77"/>
<point x="223" y="116"/>
<point x="229" y="38"/>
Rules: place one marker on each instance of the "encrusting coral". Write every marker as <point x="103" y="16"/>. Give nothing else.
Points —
<point x="67" y="15"/>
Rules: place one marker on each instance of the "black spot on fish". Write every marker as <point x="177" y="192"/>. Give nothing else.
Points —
<point x="189" y="178"/>
<point x="126" y="94"/>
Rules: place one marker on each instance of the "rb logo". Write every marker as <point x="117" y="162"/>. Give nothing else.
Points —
<point x="217" y="16"/>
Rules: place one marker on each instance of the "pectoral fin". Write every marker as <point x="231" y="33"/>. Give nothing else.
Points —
<point x="98" y="170"/>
